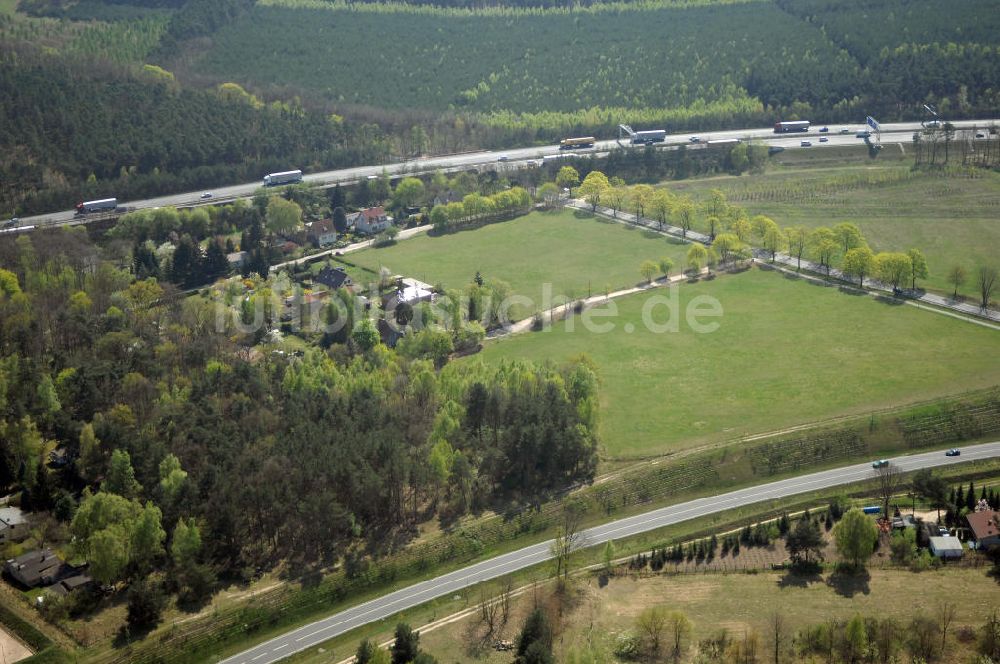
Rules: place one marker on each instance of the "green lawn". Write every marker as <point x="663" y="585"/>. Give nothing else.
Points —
<point x="572" y="252"/>
<point x="953" y="220"/>
<point x="786" y="352"/>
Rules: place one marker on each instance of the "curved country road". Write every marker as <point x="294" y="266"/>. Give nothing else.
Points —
<point x="315" y="633"/>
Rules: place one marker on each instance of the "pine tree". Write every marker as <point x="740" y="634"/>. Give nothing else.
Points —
<point x="215" y="265"/>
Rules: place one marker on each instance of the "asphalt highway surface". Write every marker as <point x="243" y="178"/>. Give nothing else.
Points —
<point x="515" y="158"/>
<point x="317" y="632"/>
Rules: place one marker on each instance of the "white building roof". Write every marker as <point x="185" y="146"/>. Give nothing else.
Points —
<point x="946" y="544"/>
<point x="12" y="516"/>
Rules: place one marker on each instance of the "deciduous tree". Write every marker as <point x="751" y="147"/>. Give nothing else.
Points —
<point x="594" y="188"/>
<point x="798" y="241"/>
<point x="893" y="268"/>
<point x="918" y="267"/>
<point x="647" y="269"/>
<point x="567" y="177"/>
<point x="956" y="277"/>
<point x="858" y="262"/>
<point x="697" y="256"/>
<point x="848" y="236"/>
<point x="986" y="278"/>
<point x="855" y="535"/>
<point x="283" y="217"/>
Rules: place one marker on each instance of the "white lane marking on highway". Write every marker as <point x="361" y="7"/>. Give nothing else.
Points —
<point x="258" y="657"/>
<point x="283" y="645"/>
<point x="662" y="517"/>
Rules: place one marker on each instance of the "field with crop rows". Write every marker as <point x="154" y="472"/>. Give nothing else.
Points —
<point x="953" y="219"/>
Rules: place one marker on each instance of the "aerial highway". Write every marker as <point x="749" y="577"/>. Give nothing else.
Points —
<point x="891" y="133"/>
<point x="315" y="633"/>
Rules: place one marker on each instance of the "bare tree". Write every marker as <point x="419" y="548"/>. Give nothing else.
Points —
<point x="945" y="616"/>
<point x="778" y="635"/>
<point x="506" y="593"/>
<point x="987" y="279"/>
<point x="680" y="630"/>
<point x="489" y="610"/>
<point x="923" y="637"/>
<point x="652" y="623"/>
<point x="569" y="535"/>
<point x="888" y="479"/>
<point x="885" y="636"/>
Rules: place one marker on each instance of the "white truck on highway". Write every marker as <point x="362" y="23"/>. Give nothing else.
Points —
<point x="284" y="177"/>
<point x="102" y="205"/>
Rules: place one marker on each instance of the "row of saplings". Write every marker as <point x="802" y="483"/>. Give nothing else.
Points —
<point x="804" y="533"/>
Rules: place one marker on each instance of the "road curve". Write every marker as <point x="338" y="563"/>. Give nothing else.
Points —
<point x="891" y="133"/>
<point x="315" y="633"/>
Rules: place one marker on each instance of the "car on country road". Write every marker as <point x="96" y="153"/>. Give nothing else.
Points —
<point x="980" y="134"/>
<point x="823" y="130"/>
<point x="824" y="139"/>
<point x="881" y="463"/>
<point x="207" y="194"/>
<point x="845" y="130"/>
<point x="806" y="144"/>
<point x="695" y="139"/>
<point x="503" y="157"/>
<point x="953" y="452"/>
<point x="11" y="223"/>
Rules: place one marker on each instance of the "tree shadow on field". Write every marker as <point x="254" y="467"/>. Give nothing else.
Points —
<point x="846" y="289"/>
<point x="801" y="578"/>
<point x="587" y="214"/>
<point x="889" y="300"/>
<point x="848" y="582"/>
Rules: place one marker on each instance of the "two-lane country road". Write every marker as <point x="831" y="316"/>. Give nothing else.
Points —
<point x="315" y="633"/>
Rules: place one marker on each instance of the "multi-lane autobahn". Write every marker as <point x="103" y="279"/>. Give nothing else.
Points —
<point x="891" y="133"/>
<point x="383" y="607"/>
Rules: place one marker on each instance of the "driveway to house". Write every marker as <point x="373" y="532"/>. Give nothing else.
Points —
<point x="315" y="633"/>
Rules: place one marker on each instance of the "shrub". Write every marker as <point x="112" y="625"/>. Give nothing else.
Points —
<point x="628" y="646"/>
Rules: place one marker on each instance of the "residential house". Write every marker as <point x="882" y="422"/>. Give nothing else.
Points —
<point x="36" y="568"/>
<point x="946" y="547"/>
<point x="370" y="221"/>
<point x="985" y="528"/>
<point x="333" y="278"/>
<point x="408" y="291"/>
<point x="13" y="525"/>
<point x="321" y="233"/>
<point x="71" y="584"/>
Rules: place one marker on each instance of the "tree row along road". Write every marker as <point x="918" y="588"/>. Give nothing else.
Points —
<point x="831" y="275"/>
<point x="891" y="133"/>
<point x="383" y="607"/>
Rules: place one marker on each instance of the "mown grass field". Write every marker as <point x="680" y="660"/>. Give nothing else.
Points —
<point x="739" y="603"/>
<point x="574" y="253"/>
<point x="786" y="352"/>
<point x="953" y="220"/>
